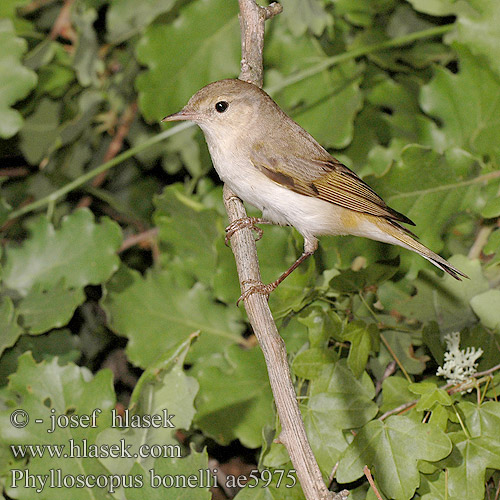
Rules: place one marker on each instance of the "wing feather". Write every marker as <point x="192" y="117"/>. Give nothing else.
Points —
<point x="327" y="179"/>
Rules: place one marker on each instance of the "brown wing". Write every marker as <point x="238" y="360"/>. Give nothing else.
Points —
<point x="328" y="180"/>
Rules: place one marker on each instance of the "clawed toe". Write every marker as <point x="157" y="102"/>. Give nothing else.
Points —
<point x="256" y="287"/>
<point x="240" y="224"/>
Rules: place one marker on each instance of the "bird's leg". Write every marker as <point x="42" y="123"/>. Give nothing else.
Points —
<point x="310" y="247"/>
<point x="245" y="222"/>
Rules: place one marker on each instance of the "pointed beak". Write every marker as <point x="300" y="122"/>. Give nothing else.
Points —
<point x="180" y="115"/>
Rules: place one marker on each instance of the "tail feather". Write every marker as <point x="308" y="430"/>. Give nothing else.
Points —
<point x="434" y="258"/>
<point x="404" y="239"/>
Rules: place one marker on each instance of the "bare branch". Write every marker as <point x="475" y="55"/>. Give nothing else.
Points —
<point x="368" y="475"/>
<point x="293" y="435"/>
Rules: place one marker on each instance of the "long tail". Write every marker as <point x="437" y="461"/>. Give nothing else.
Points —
<point x="404" y="239"/>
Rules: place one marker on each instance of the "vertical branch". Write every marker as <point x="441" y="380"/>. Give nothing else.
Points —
<point x="293" y="435"/>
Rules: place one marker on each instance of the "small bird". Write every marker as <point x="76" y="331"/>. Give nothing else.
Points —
<point x="272" y="163"/>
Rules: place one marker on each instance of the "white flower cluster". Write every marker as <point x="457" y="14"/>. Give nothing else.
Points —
<point x="459" y="365"/>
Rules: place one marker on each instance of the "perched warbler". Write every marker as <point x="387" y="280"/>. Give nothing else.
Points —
<point x="272" y="163"/>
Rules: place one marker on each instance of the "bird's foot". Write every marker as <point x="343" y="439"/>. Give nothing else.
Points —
<point x="256" y="287"/>
<point x="240" y="224"/>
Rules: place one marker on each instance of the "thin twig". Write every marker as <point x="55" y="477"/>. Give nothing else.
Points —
<point x="331" y="477"/>
<point x="389" y="370"/>
<point x="114" y="148"/>
<point x="489" y="371"/>
<point x="62" y="26"/>
<point x="481" y="240"/>
<point x="368" y="475"/>
<point x="398" y="409"/>
<point x="14" y="172"/>
<point x="293" y="435"/>
<point x="450" y="388"/>
<point x="497" y="494"/>
<point x="393" y="354"/>
<point x="148" y="235"/>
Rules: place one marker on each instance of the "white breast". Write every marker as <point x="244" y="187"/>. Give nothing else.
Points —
<point x="310" y="216"/>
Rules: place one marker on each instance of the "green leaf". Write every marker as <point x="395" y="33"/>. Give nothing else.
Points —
<point x="5" y="209"/>
<point x="58" y="343"/>
<point x="208" y="32"/>
<point x="433" y="486"/>
<point x="363" y="339"/>
<point x="432" y="339"/>
<point x="55" y="78"/>
<point x="492" y="248"/>
<point x="341" y="397"/>
<point x="42" y="310"/>
<point x="468" y="463"/>
<point x="485" y="305"/>
<point x="46" y="390"/>
<point x="81" y="252"/>
<point x="445" y="301"/>
<point x="393" y="448"/>
<point x="318" y="424"/>
<point x="86" y="61"/>
<point x="430" y="395"/>
<point x="350" y="281"/>
<point x="8" y="9"/>
<point x="321" y="325"/>
<point x="395" y="393"/>
<point x="487" y="340"/>
<point x="339" y="379"/>
<point x="362" y="12"/>
<point x="193" y="468"/>
<point x="477" y="27"/>
<point x="431" y="189"/>
<point x="405" y="20"/>
<point x="170" y="396"/>
<point x="157" y="311"/>
<point x="40" y="130"/>
<point x="126" y="18"/>
<point x="465" y="104"/>
<point x="189" y="231"/>
<point x="492" y="209"/>
<point x="435" y="7"/>
<point x="329" y="97"/>
<point x="305" y="16"/>
<point x="399" y="100"/>
<point x="310" y="363"/>
<point x="189" y="145"/>
<point x="481" y="420"/>
<point x="294" y="334"/>
<point x="344" y="411"/>
<point x="413" y="361"/>
<point x="16" y="81"/>
<point x="235" y="400"/>
<point x="226" y="284"/>
<point x="150" y="377"/>
<point x="11" y="331"/>
<point x="43" y="134"/>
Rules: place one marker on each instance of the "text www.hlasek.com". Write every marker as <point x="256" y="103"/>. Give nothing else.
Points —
<point x="56" y="479"/>
<point x="84" y="450"/>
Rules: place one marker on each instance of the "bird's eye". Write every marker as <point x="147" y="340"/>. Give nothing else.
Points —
<point x="221" y="106"/>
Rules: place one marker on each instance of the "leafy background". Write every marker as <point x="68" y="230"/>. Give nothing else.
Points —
<point x="118" y="290"/>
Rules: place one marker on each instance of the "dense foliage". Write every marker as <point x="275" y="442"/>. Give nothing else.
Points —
<point x="406" y="93"/>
